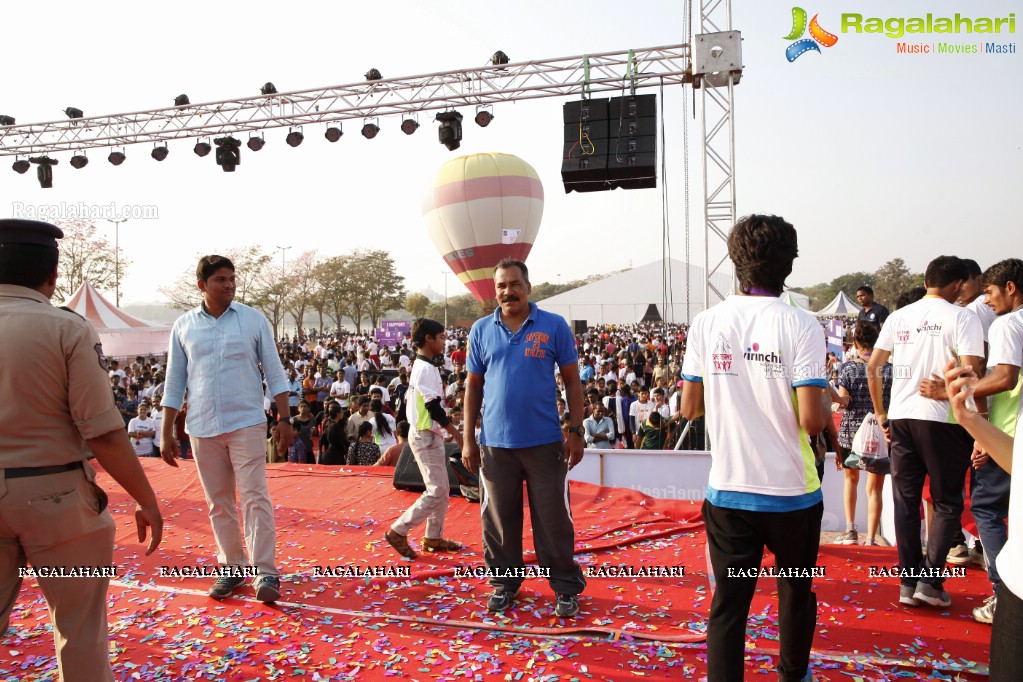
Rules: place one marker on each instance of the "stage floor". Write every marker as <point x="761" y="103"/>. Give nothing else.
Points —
<point x="433" y="624"/>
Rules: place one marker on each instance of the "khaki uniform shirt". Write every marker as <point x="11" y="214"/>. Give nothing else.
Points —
<point x="54" y="389"/>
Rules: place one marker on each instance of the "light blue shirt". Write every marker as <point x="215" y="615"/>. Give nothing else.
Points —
<point x="217" y="360"/>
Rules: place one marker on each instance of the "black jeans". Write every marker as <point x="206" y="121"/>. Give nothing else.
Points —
<point x="1007" y="637"/>
<point x="942" y="451"/>
<point x="736" y="539"/>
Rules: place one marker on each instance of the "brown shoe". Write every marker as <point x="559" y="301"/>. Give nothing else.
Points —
<point x="400" y="544"/>
<point x="440" y="545"/>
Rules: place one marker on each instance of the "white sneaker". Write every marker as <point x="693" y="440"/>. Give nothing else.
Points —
<point x="986" y="613"/>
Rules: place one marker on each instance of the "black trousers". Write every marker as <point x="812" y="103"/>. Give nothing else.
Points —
<point x="736" y="539"/>
<point x="545" y="472"/>
<point x="923" y="448"/>
<point x="1007" y="637"/>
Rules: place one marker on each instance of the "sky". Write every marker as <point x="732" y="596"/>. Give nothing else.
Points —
<point x="871" y="154"/>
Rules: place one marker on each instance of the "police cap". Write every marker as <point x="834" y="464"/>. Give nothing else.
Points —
<point x="17" y="231"/>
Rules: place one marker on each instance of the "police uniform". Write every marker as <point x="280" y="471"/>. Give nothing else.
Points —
<point x="54" y="395"/>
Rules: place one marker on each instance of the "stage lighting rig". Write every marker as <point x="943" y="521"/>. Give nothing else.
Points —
<point x="45" y="170"/>
<point x="333" y="133"/>
<point x="116" y="157"/>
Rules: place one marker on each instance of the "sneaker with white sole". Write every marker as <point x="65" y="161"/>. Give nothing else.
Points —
<point x="959" y="555"/>
<point x="849" y="537"/>
<point x="906" y="595"/>
<point x="501" y="598"/>
<point x="935" y="596"/>
<point x="986" y="613"/>
<point x="566" y="605"/>
<point x="977" y="555"/>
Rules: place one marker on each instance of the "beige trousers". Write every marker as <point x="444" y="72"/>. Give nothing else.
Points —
<point x="230" y="461"/>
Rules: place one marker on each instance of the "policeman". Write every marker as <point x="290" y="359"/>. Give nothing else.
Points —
<point x="52" y="514"/>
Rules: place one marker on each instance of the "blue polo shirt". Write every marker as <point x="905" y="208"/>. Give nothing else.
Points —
<point x="519" y="390"/>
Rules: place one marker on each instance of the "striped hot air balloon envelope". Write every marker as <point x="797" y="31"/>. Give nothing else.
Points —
<point x="483" y="208"/>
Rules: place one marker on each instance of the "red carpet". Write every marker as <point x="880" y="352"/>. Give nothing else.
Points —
<point x="433" y="625"/>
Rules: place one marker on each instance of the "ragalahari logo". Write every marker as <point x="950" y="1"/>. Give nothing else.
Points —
<point x="818" y="36"/>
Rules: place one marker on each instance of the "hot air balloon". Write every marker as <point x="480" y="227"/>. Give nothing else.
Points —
<point x="482" y="208"/>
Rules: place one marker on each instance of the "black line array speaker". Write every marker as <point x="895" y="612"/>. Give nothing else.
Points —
<point x="580" y="327"/>
<point x="610" y="143"/>
<point x="584" y="156"/>
<point x="407" y="475"/>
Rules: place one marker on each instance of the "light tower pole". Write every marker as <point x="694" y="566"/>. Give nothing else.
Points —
<point x="117" y="258"/>
<point x="284" y="250"/>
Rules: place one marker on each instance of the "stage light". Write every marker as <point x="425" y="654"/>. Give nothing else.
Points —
<point x="450" y="131"/>
<point x="333" y="133"/>
<point x="202" y="148"/>
<point x="483" y="118"/>
<point x="73" y="113"/>
<point x="6" y="120"/>
<point x="370" y="130"/>
<point x="45" y="171"/>
<point x="294" y="137"/>
<point x="373" y="75"/>
<point x="255" y="143"/>
<point x="409" y="126"/>
<point x="79" y="161"/>
<point x="116" y="158"/>
<point x="181" y="101"/>
<point x="499" y="58"/>
<point x="229" y="153"/>
<point x="21" y="166"/>
<point x="160" y="153"/>
<point x="268" y="89"/>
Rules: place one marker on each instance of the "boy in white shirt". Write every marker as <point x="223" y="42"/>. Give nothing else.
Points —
<point x="756" y="367"/>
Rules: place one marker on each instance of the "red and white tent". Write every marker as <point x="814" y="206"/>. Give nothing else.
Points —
<point x="121" y="334"/>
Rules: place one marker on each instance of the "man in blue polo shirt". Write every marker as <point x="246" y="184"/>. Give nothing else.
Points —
<point x="511" y="361"/>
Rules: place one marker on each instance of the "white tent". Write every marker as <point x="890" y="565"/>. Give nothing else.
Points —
<point x="839" y="306"/>
<point x="121" y="334"/>
<point x="626" y="297"/>
<point x="796" y="300"/>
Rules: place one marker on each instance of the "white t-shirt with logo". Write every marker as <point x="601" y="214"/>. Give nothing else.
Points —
<point x="751" y="353"/>
<point x="920" y="338"/>
<point x="143" y="447"/>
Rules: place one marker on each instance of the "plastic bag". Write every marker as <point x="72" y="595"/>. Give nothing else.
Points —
<point x="869" y="448"/>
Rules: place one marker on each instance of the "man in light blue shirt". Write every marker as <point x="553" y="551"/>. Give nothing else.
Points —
<point x="215" y="353"/>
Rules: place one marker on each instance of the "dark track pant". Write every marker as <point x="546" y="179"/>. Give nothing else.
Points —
<point x="736" y="539"/>
<point x="923" y="448"/>
<point x="1007" y="637"/>
<point x="545" y="472"/>
<point x="989" y="502"/>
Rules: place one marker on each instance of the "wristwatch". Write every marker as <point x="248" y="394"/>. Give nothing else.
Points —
<point x="577" y="430"/>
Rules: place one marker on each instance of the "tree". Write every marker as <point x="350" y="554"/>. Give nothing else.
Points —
<point x="376" y="287"/>
<point x="269" y="294"/>
<point x="333" y="277"/>
<point x="416" y="304"/>
<point x="891" y="279"/>
<point x="302" y="275"/>
<point x="462" y="310"/>
<point x="84" y="257"/>
<point x="249" y="263"/>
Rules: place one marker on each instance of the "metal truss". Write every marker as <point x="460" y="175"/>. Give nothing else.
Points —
<point x="718" y="127"/>
<point x="387" y="97"/>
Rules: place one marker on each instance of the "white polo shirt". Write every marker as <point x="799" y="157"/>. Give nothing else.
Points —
<point x="751" y="353"/>
<point x="919" y="338"/>
<point x="1010" y="559"/>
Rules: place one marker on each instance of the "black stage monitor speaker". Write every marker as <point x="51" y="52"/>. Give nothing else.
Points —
<point x="408" y="477"/>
